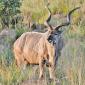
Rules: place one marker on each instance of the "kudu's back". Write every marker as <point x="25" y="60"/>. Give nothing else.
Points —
<point x="31" y="47"/>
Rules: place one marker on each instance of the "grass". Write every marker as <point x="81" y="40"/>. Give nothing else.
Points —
<point x="72" y="58"/>
<point x="70" y="69"/>
<point x="30" y="7"/>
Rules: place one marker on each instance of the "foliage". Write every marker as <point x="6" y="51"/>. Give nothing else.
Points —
<point x="20" y="31"/>
<point x="8" y="9"/>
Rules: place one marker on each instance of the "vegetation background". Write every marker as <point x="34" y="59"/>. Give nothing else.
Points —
<point x="16" y="16"/>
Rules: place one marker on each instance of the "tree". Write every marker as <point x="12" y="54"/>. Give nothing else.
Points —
<point x="8" y="10"/>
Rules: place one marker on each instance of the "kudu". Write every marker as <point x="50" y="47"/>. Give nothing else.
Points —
<point x="37" y="48"/>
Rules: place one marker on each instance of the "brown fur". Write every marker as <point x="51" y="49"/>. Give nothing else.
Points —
<point x="33" y="48"/>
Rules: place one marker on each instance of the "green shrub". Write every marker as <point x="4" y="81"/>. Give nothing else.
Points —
<point x="20" y="31"/>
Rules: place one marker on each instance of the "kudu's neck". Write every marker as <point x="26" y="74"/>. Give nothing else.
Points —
<point x="48" y="33"/>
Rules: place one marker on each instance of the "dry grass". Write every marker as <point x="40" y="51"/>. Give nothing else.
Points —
<point x="71" y="65"/>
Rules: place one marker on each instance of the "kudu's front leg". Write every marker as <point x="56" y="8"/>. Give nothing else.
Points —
<point x="41" y="68"/>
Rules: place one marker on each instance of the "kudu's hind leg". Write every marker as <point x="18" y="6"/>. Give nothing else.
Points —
<point x="20" y="61"/>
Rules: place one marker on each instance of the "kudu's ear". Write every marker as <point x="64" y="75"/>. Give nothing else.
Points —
<point x="68" y="19"/>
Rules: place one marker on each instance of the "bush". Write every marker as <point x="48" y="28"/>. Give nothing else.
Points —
<point x="20" y="31"/>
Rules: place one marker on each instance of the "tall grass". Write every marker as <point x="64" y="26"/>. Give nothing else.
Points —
<point x="70" y="69"/>
<point x="72" y="57"/>
<point x="35" y="10"/>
